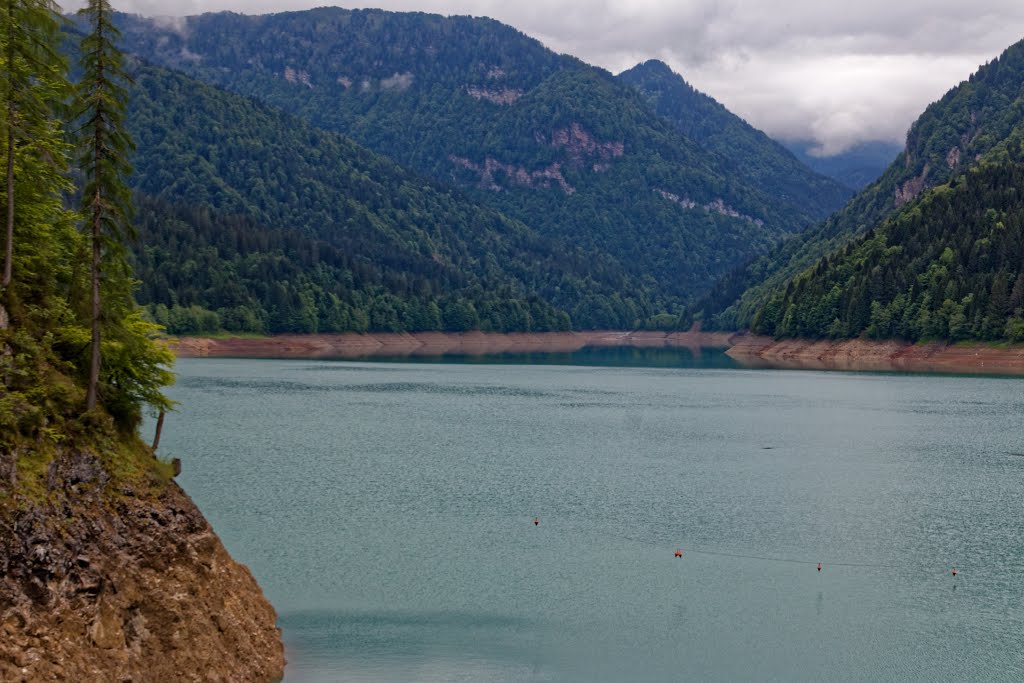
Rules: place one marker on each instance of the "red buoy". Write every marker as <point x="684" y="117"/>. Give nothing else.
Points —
<point x="819" y="566"/>
<point x="679" y="553"/>
<point x="536" y="521"/>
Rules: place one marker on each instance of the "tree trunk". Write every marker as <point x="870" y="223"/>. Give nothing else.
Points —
<point x="94" y="362"/>
<point x="9" y="243"/>
<point x="159" y="430"/>
<point x="97" y="225"/>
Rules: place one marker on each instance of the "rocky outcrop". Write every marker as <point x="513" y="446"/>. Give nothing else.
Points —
<point x="505" y="96"/>
<point x="953" y="157"/>
<point x="909" y="190"/>
<point x="580" y="144"/>
<point x="297" y="76"/>
<point x="109" y="582"/>
<point x="716" y="206"/>
<point x="491" y="169"/>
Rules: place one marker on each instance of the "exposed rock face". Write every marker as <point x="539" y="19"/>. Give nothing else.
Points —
<point x="580" y="144"/>
<point x="297" y="76"/>
<point x="101" y="585"/>
<point x="953" y="157"/>
<point x="504" y="96"/>
<point x="716" y="206"/>
<point x="544" y="178"/>
<point x="906" y="192"/>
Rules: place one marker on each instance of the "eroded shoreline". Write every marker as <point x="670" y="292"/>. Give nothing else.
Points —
<point x="877" y="356"/>
<point x="348" y="346"/>
<point x="747" y="350"/>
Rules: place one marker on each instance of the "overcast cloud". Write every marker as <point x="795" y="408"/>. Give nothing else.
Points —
<point x="835" y="71"/>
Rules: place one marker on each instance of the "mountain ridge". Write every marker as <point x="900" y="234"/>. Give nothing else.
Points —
<point x="561" y="146"/>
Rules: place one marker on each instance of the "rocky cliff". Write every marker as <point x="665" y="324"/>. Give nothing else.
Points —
<point x="112" y="578"/>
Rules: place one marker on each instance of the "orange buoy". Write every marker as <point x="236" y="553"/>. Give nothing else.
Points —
<point x="819" y="566"/>
<point x="536" y="521"/>
<point x="679" y="553"/>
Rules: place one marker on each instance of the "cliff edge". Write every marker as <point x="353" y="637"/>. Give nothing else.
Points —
<point x="112" y="578"/>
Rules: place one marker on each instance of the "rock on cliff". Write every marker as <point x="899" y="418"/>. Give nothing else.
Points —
<point x="110" y="582"/>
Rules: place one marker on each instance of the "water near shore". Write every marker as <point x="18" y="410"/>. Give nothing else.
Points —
<point x="386" y="509"/>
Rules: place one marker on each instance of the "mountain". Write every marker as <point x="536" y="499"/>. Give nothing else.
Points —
<point x="253" y="220"/>
<point x="566" y="149"/>
<point x="980" y="119"/>
<point x="744" y="150"/>
<point x="951" y="268"/>
<point x="855" y="168"/>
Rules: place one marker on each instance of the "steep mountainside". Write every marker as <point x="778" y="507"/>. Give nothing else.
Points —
<point x="980" y="118"/>
<point x="277" y="226"/>
<point x="746" y="151"/>
<point x="559" y="145"/>
<point x="950" y="268"/>
<point x="855" y="168"/>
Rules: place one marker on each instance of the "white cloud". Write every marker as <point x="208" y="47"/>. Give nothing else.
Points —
<point x="836" y="71"/>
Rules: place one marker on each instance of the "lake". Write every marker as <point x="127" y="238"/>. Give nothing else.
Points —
<point x="387" y="511"/>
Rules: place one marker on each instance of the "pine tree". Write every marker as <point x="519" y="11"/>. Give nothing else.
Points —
<point x="33" y="81"/>
<point x="104" y="146"/>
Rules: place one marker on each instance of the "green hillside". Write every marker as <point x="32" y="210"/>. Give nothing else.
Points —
<point x="951" y="267"/>
<point x="974" y="120"/>
<point x="277" y="226"/>
<point x="746" y="151"/>
<point x="558" y="145"/>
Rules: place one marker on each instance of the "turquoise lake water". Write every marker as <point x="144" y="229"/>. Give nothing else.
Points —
<point x="387" y="510"/>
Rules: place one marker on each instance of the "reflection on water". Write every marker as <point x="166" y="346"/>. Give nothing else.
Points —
<point x="386" y="509"/>
<point x="620" y="357"/>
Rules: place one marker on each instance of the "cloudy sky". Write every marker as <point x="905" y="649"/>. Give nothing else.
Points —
<point x="835" y="71"/>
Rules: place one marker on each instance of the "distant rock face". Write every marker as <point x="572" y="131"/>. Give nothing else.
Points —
<point x="579" y="143"/>
<point x="505" y="96"/>
<point x="909" y="190"/>
<point x="100" y="585"/>
<point x="489" y="171"/>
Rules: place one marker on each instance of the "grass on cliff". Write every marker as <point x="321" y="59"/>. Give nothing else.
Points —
<point x="129" y="464"/>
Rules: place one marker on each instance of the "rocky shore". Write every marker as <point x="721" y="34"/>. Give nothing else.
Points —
<point x="436" y="343"/>
<point x="118" y="583"/>
<point x="750" y="351"/>
<point x="350" y="346"/>
<point x="882" y="356"/>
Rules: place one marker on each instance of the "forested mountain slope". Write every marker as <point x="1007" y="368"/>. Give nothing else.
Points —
<point x="566" y="148"/>
<point x="745" y="151"/>
<point x="978" y="119"/>
<point x="951" y="267"/>
<point x="279" y="226"/>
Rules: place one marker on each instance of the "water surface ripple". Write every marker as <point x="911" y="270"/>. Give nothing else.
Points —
<point x="387" y="509"/>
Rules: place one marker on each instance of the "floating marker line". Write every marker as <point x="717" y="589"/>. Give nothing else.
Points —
<point x="789" y="560"/>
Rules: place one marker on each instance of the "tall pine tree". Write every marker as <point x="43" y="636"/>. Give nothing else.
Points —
<point x="104" y="146"/>
<point x="33" y="81"/>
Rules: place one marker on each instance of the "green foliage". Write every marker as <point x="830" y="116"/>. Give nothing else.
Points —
<point x="565" y="148"/>
<point x="982" y="119"/>
<point x="99" y="105"/>
<point x="274" y="226"/>
<point x="748" y="152"/>
<point x="33" y="85"/>
<point x="44" y="362"/>
<point x="950" y="267"/>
